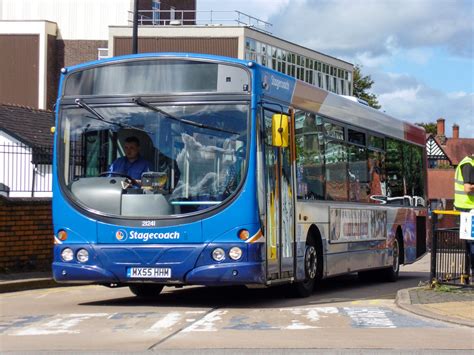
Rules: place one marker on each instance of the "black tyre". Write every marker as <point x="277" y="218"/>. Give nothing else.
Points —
<point x="368" y="275"/>
<point x="312" y="266"/>
<point x="146" y="291"/>
<point x="391" y="274"/>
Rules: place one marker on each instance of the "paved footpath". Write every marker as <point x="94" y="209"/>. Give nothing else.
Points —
<point x="448" y="304"/>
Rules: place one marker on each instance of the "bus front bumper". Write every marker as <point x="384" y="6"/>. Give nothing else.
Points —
<point x="237" y="273"/>
<point x="77" y="273"/>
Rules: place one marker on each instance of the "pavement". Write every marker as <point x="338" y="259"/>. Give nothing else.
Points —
<point x="26" y="281"/>
<point x="446" y="303"/>
<point x="451" y="304"/>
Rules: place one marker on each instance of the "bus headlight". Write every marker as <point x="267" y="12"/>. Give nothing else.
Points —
<point x="67" y="254"/>
<point x="235" y="253"/>
<point x="82" y="255"/>
<point x="218" y="254"/>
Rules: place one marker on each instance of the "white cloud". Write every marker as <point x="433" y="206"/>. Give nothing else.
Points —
<point x="343" y="27"/>
<point x="404" y="97"/>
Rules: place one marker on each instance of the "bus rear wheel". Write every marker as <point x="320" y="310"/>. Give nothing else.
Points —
<point x="391" y="274"/>
<point x="311" y="263"/>
<point x="146" y="291"/>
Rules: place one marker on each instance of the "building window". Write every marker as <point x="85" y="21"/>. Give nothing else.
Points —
<point x="298" y="66"/>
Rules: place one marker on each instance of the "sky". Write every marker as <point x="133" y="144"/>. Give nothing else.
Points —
<point x="419" y="53"/>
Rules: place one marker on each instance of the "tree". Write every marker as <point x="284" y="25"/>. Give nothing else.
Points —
<point x="361" y="85"/>
<point x="430" y="127"/>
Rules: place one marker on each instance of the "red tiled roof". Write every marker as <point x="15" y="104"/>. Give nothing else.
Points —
<point x="457" y="149"/>
<point x="440" y="184"/>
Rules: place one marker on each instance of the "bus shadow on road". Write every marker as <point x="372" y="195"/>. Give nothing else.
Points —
<point x="345" y="288"/>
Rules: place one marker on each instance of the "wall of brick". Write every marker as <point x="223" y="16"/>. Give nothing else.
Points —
<point x="26" y="234"/>
<point x="72" y="52"/>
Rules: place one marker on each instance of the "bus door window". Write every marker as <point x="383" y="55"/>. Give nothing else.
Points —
<point x="273" y="198"/>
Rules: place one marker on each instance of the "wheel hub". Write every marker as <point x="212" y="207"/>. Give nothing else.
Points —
<point x="395" y="251"/>
<point x="310" y="262"/>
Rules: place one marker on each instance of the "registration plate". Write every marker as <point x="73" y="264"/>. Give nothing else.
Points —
<point x="149" y="273"/>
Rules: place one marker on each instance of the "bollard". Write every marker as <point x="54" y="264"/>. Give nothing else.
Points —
<point x="434" y="247"/>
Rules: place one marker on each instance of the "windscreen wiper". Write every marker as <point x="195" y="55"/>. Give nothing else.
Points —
<point x="82" y="104"/>
<point x="140" y="102"/>
<point x="98" y="116"/>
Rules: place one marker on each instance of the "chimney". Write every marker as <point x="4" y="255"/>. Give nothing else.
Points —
<point x="455" y="131"/>
<point x="440" y="127"/>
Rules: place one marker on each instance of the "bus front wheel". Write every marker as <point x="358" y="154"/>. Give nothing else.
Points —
<point x="146" y="291"/>
<point x="311" y="263"/>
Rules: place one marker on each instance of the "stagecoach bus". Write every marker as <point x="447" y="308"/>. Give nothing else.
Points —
<point x="252" y="178"/>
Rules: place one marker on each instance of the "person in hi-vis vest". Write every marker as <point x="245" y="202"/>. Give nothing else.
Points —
<point x="464" y="193"/>
<point x="464" y="185"/>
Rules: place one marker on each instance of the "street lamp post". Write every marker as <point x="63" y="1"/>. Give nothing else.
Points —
<point x="135" y="28"/>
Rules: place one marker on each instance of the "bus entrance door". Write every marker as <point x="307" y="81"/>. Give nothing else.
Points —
<point x="279" y="229"/>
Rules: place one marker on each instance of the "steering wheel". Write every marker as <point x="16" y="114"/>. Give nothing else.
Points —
<point x="128" y="177"/>
<point x="240" y="152"/>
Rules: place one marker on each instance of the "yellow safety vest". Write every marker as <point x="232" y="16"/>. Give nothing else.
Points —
<point x="461" y="198"/>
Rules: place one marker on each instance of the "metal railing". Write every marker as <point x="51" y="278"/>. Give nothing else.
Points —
<point x="450" y="255"/>
<point x="25" y="171"/>
<point x="199" y="18"/>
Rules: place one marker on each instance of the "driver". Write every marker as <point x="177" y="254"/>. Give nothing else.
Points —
<point x="132" y="164"/>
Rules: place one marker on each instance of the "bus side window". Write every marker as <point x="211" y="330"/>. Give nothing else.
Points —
<point x="358" y="176"/>
<point x="394" y="168"/>
<point x="310" y="173"/>
<point x="377" y="179"/>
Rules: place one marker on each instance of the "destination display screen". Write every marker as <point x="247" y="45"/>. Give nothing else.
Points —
<point x="157" y="76"/>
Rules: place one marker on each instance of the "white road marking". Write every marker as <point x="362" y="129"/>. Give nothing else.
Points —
<point x="296" y="325"/>
<point x="167" y="322"/>
<point x="207" y="323"/>
<point x="313" y="314"/>
<point x="369" y="317"/>
<point x="61" y="325"/>
<point x="297" y="318"/>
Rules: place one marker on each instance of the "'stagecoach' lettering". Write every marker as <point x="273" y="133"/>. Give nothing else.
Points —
<point x="157" y="236"/>
<point x="280" y="84"/>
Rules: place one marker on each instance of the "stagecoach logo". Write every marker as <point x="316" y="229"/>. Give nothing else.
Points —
<point x="121" y="235"/>
<point x="275" y="83"/>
